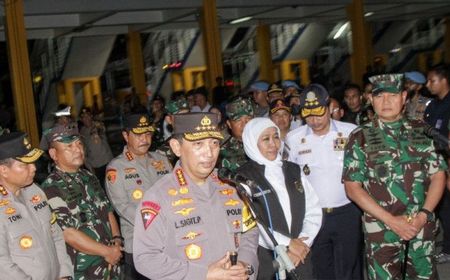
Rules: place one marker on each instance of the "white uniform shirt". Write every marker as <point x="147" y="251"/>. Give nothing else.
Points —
<point x="321" y="160"/>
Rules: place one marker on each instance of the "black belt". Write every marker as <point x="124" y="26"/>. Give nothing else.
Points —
<point x="332" y="210"/>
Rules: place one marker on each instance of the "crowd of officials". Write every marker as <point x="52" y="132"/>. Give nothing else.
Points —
<point x="348" y="188"/>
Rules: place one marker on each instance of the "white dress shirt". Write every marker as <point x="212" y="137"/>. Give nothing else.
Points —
<point x="323" y="157"/>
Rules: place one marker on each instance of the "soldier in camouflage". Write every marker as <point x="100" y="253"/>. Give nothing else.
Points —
<point x="239" y="112"/>
<point x="392" y="171"/>
<point x="82" y="209"/>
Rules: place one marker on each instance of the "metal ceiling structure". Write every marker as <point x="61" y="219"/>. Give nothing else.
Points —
<point x="54" y="18"/>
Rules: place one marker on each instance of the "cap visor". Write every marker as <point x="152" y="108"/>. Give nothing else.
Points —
<point x="32" y="156"/>
<point x="142" y="130"/>
<point x="318" y="112"/>
<point x="68" y="139"/>
<point x="203" y="135"/>
<point x="274" y="110"/>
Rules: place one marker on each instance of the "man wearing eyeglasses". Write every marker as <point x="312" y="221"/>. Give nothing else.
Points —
<point x="318" y="147"/>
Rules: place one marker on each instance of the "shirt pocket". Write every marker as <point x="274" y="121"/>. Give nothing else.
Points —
<point x="24" y="241"/>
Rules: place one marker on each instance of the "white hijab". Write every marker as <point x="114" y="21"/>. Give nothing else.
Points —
<point x="273" y="171"/>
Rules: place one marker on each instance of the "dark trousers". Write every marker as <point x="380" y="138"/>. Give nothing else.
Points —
<point x="130" y="271"/>
<point x="337" y="249"/>
<point x="443" y="212"/>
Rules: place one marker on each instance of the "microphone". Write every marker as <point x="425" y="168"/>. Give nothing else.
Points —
<point x="226" y="174"/>
<point x="437" y="136"/>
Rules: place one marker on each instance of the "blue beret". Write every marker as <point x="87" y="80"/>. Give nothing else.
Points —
<point x="416" y="77"/>
<point x="287" y="84"/>
<point x="259" y="85"/>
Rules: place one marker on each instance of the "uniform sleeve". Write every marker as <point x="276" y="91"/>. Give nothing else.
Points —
<point x="65" y="264"/>
<point x="313" y="214"/>
<point x="248" y="247"/>
<point x="8" y="269"/>
<point x="118" y="195"/>
<point x="354" y="169"/>
<point x="435" y="162"/>
<point x="149" y="244"/>
<point x="265" y="241"/>
<point x="64" y="217"/>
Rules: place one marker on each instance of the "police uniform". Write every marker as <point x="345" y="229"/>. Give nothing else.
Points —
<point x="181" y="228"/>
<point x="79" y="202"/>
<point x="394" y="162"/>
<point x="321" y="159"/>
<point x="31" y="244"/>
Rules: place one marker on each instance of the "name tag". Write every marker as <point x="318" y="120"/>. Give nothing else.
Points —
<point x="304" y="152"/>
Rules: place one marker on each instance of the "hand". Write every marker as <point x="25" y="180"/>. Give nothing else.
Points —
<point x="298" y="250"/>
<point x="222" y="270"/>
<point x="400" y="225"/>
<point x="113" y="254"/>
<point x="419" y="221"/>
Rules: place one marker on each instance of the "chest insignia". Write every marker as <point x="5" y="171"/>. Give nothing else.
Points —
<point x="26" y="242"/>
<point x="35" y="199"/>
<point x="227" y="191"/>
<point x="306" y="170"/>
<point x="182" y="201"/>
<point x="184" y="190"/>
<point x="193" y="252"/>
<point x="339" y="143"/>
<point x="10" y="211"/>
<point x="185" y="211"/>
<point x="232" y="202"/>
<point x="191" y="235"/>
<point x="172" y="192"/>
<point x="137" y="194"/>
<point x="111" y="175"/>
<point x="4" y="202"/>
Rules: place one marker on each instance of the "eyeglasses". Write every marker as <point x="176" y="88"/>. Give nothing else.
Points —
<point x="335" y="110"/>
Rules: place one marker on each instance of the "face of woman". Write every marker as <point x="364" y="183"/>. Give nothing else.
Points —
<point x="269" y="143"/>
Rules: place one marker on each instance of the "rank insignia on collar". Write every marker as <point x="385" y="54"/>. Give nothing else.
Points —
<point x="111" y="175"/>
<point x="180" y="177"/>
<point x="182" y="201"/>
<point x="137" y="194"/>
<point x="227" y="191"/>
<point x="193" y="252"/>
<point x="3" y="191"/>
<point x="172" y="192"/>
<point x="35" y="199"/>
<point x="129" y="156"/>
<point x="232" y="202"/>
<point x="149" y="211"/>
<point x="10" y="211"/>
<point x="306" y="170"/>
<point x="185" y="211"/>
<point x="191" y="235"/>
<point x="184" y="190"/>
<point x="4" y="202"/>
<point x="26" y="242"/>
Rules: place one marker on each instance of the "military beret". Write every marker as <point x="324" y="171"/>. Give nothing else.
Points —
<point x="313" y="100"/>
<point x="278" y="104"/>
<point x="239" y="107"/>
<point x="392" y="83"/>
<point x="138" y="124"/>
<point x="197" y="126"/>
<point x="288" y="84"/>
<point x="16" y="145"/>
<point x="415" y="77"/>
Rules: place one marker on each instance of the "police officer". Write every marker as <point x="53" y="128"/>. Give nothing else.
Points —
<point x="239" y="112"/>
<point x="130" y="174"/>
<point x="391" y="170"/>
<point x="32" y="245"/>
<point x="318" y="147"/>
<point x="82" y="209"/>
<point x="189" y="221"/>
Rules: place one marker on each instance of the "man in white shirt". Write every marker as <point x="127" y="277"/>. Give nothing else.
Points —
<point x="201" y="101"/>
<point x="318" y="147"/>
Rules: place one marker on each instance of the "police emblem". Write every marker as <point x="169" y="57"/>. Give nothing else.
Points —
<point x="26" y="242"/>
<point x="149" y="211"/>
<point x="35" y="199"/>
<point x="111" y="175"/>
<point x="193" y="252"/>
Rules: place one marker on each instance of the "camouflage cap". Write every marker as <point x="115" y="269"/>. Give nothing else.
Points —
<point x="16" y="145"/>
<point x="175" y="106"/>
<point x="392" y="83"/>
<point x="197" y="126"/>
<point x="239" y="107"/>
<point x="60" y="133"/>
<point x="138" y="124"/>
<point x="313" y="100"/>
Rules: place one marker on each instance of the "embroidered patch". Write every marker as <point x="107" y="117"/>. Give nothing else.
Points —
<point x="306" y="170"/>
<point x="35" y="199"/>
<point x="185" y="211"/>
<point x="172" y="192"/>
<point x="111" y="175"/>
<point x="4" y="202"/>
<point x="54" y="218"/>
<point x="180" y="177"/>
<point x="227" y="191"/>
<point x="26" y="242"/>
<point x="191" y="235"/>
<point x="232" y="202"/>
<point x="137" y="194"/>
<point x="149" y="211"/>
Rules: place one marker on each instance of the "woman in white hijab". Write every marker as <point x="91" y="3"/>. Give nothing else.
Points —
<point x="284" y="201"/>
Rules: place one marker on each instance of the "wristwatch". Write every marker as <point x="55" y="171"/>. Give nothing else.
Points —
<point x="250" y="269"/>
<point x="430" y="215"/>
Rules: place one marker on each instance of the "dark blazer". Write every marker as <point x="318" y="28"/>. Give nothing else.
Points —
<point x="291" y="171"/>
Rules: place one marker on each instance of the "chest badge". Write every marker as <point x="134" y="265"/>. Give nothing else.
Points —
<point x="4" y="202"/>
<point x="184" y="190"/>
<point x="172" y="192"/>
<point x="191" y="235"/>
<point x="193" y="252"/>
<point x="36" y="199"/>
<point x="137" y="194"/>
<point x="26" y="242"/>
<point x="306" y="170"/>
<point x="185" y="211"/>
<point x="10" y="211"/>
<point x="232" y="202"/>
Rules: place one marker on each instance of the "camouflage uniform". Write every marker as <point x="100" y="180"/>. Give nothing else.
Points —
<point x="415" y="107"/>
<point x="393" y="162"/>
<point x="80" y="203"/>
